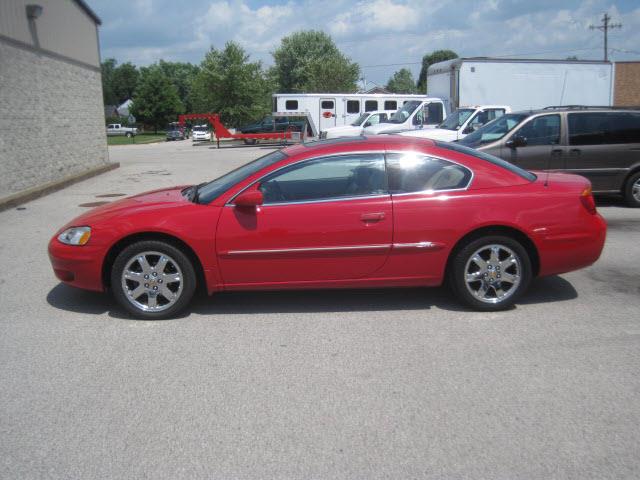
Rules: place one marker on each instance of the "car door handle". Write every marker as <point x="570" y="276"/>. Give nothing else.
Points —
<point x="372" y="217"/>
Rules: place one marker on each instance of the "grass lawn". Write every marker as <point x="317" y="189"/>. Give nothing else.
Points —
<point x="140" y="138"/>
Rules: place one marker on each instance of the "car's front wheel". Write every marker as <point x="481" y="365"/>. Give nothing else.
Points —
<point x="153" y="280"/>
<point x="490" y="273"/>
<point x="632" y="190"/>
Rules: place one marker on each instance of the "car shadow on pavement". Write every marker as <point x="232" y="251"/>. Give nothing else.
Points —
<point x="543" y="290"/>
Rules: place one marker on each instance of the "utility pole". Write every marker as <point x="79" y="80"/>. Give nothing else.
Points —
<point x="606" y="25"/>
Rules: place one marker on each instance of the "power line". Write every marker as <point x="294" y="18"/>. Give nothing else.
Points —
<point x="605" y="27"/>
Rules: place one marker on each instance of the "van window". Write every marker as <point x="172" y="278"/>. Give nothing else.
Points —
<point x="353" y="106"/>
<point x="544" y="130"/>
<point x="327" y="104"/>
<point x="390" y="105"/>
<point x="597" y="128"/>
<point x="370" y="105"/>
<point x="291" y="105"/>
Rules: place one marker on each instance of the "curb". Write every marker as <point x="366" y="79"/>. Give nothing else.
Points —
<point x="50" y="187"/>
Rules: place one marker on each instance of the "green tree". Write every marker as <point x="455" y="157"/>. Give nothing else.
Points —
<point x="430" y="59"/>
<point x="309" y="61"/>
<point x="156" y="100"/>
<point x="182" y="75"/>
<point x="402" y="82"/>
<point x="123" y="81"/>
<point x="107" y="67"/>
<point x="232" y="86"/>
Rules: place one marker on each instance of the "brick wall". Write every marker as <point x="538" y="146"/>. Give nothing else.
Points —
<point x="627" y="84"/>
<point x="51" y="119"/>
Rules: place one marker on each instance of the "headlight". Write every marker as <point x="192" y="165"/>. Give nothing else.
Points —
<point x="75" y="235"/>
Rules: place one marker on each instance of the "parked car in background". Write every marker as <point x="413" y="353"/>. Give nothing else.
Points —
<point x="460" y="123"/>
<point x="115" y="129"/>
<point x="363" y="212"/>
<point x="175" y="131"/>
<point x="599" y="143"/>
<point x="357" y="127"/>
<point x="201" y="133"/>
<point x="413" y="114"/>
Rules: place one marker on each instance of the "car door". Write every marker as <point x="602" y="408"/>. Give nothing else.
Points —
<point x="426" y="193"/>
<point x="536" y="144"/>
<point x="324" y="219"/>
<point x="603" y="146"/>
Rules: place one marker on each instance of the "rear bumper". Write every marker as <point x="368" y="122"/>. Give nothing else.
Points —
<point x="564" y="252"/>
<point x="79" y="266"/>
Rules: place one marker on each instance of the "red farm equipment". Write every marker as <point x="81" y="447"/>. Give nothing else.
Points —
<point x="221" y="131"/>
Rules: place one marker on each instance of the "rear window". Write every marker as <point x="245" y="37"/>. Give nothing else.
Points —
<point x="488" y="158"/>
<point x="602" y="128"/>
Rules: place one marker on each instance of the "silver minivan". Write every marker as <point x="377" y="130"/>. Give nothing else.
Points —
<point x="599" y="143"/>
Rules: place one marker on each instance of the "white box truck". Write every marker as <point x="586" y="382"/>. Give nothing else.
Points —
<point x="521" y="84"/>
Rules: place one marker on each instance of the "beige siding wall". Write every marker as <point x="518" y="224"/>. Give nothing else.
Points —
<point x="627" y="84"/>
<point x="63" y="28"/>
<point x="52" y="120"/>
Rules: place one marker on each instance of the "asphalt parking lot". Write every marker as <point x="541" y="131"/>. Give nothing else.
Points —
<point x="336" y="384"/>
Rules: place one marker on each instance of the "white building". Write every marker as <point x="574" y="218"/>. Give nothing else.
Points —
<point x="51" y="111"/>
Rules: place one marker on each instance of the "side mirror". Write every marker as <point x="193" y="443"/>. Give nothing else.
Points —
<point x="475" y="126"/>
<point x="249" y="199"/>
<point x="517" y="141"/>
<point x="367" y="124"/>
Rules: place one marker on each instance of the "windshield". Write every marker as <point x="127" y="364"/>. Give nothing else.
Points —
<point x="456" y="119"/>
<point x="212" y="190"/>
<point x="494" y="130"/>
<point x="360" y="120"/>
<point x="405" y="112"/>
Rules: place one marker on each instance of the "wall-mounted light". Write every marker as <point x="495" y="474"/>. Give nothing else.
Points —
<point x="33" y="11"/>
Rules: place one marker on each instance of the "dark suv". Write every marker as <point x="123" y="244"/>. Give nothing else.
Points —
<point x="600" y="143"/>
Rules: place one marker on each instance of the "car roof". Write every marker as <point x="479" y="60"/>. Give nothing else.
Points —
<point x="361" y="142"/>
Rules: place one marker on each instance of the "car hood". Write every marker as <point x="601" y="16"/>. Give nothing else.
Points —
<point x="433" y="133"/>
<point x="156" y="199"/>
<point x="385" y="128"/>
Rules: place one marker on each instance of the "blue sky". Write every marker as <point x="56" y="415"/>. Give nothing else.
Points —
<point x="381" y="35"/>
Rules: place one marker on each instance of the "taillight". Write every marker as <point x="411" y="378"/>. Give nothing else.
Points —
<point x="586" y="197"/>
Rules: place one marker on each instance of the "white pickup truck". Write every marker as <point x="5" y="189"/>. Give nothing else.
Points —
<point x="356" y="128"/>
<point x="413" y="114"/>
<point x="114" y="129"/>
<point x="462" y="122"/>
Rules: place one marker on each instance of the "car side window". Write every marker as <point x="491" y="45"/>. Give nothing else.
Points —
<point x="374" y="119"/>
<point x="410" y="172"/>
<point x="327" y="178"/>
<point x="543" y="130"/>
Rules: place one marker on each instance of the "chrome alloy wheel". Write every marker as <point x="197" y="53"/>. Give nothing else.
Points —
<point x="493" y="273"/>
<point x="635" y="190"/>
<point x="152" y="281"/>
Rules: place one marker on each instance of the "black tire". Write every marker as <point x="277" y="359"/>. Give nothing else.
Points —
<point x="459" y="266"/>
<point x="632" y="201"/>
<point x="188" y="279"/>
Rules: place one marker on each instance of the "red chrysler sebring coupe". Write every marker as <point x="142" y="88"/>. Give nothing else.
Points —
<point x="387" y="211"/>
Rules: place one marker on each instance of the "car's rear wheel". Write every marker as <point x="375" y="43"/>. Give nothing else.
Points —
<point x="153" y="280"/>
<point x="129" y="134"/>
<point x="632" y="190"/>
<point x="490" y="273"/>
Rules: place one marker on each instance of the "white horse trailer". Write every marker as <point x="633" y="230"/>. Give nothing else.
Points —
<point x="326" y="110"/>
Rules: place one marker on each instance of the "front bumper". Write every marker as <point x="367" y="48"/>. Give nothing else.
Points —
<point x="79" y="266"/>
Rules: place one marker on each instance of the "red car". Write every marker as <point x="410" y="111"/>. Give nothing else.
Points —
<point x="387" y="211"/>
